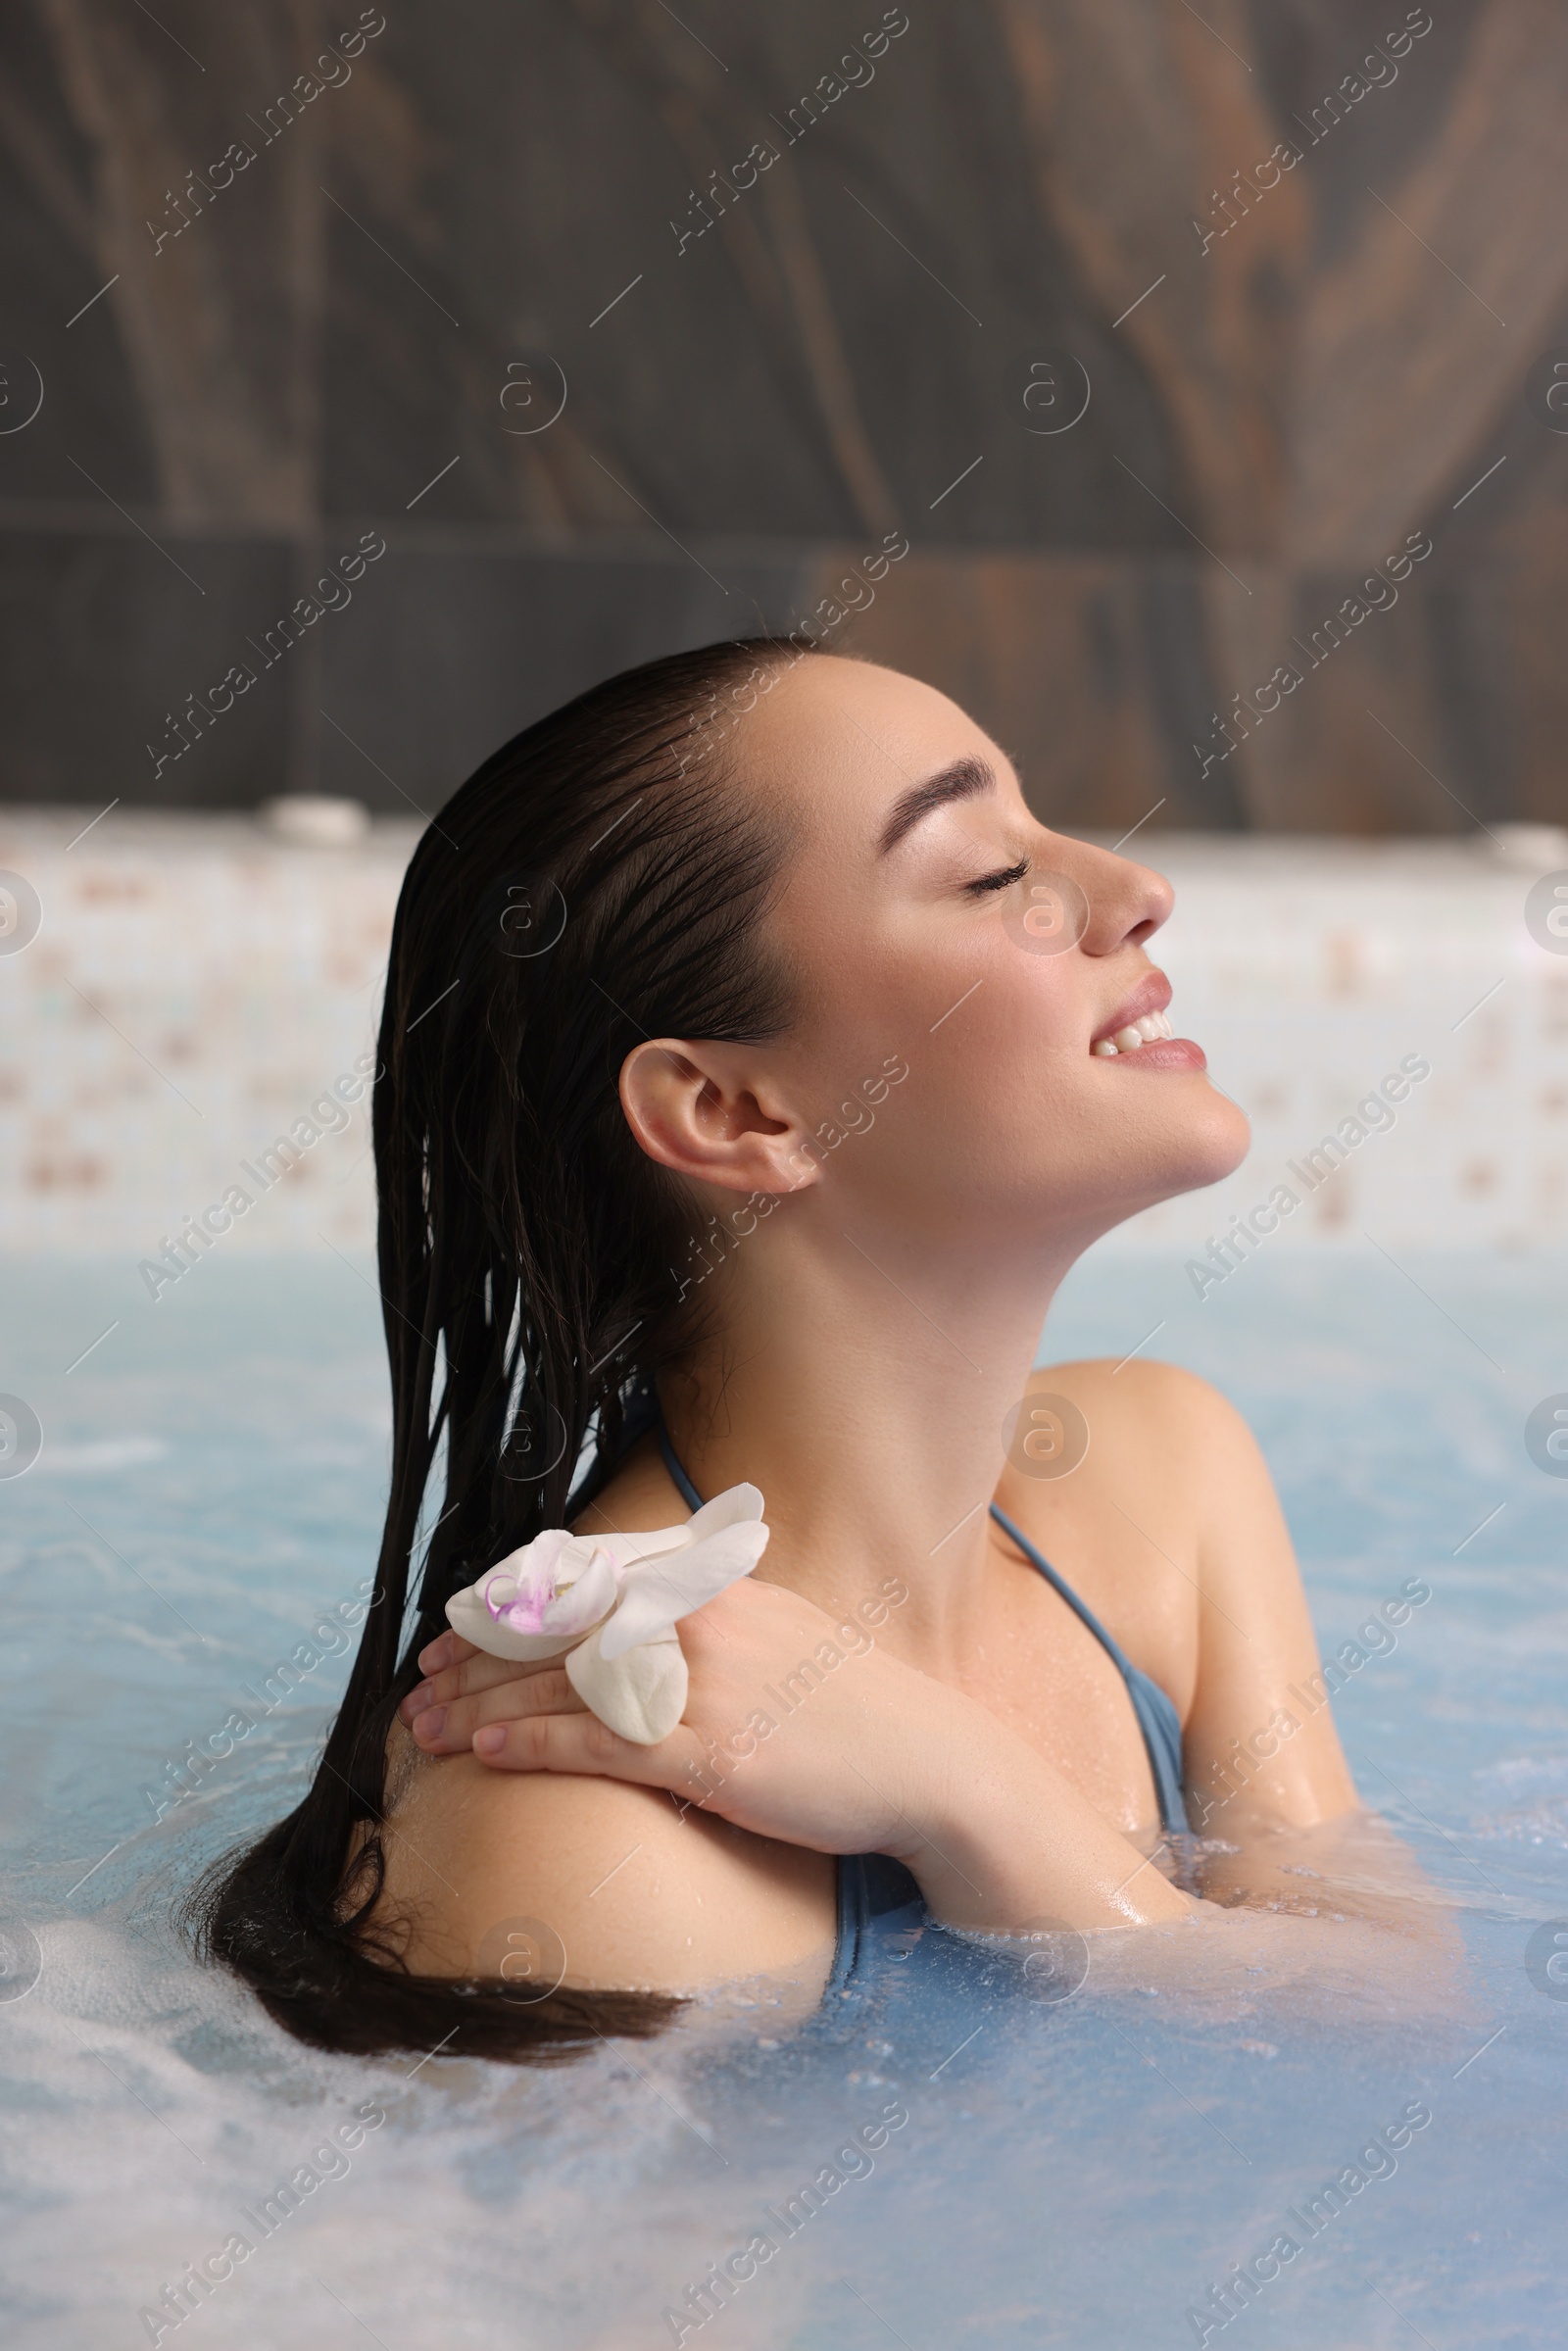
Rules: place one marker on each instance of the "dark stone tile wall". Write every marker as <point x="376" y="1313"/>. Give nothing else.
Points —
<point x="623" y="330"/>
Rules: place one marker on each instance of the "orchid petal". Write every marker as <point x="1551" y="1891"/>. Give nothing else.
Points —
<point x="642" y="1696"/>
<point x="537" y="1564"/>
<point x="624" y="1549"/>
<point x="657" y="1596"/>
<point x="580" y="1606"/>
<point x="735" y="1507"/>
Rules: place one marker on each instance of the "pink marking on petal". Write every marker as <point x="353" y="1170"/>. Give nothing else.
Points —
<point x="522" y="1612"/>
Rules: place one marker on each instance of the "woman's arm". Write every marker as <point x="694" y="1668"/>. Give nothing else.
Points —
<point x="1265" y="1772"/>
<point x="1261" y="1749"/>
<point x="881" y="1758"/>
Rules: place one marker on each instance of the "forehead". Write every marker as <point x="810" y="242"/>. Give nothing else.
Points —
<point x="837" y="742"/>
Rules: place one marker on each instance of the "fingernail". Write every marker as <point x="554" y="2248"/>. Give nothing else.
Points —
<point x="436" y="1653"/>
<point x="427" y="1725"/>
<point x="416" y="1703"/>
<point x="490" y="1740"/>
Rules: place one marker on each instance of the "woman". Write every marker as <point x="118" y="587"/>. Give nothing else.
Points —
<point x="747" y="1092"/>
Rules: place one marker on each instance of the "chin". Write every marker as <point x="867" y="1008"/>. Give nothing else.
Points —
<point x="1181" y="1136"/>
<point x="1205" y="1146"/>
<point x="1223" y="1140"/>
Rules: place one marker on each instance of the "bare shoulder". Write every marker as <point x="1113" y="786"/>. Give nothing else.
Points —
<point x="643" y="1893"/>
<point x="1163" y="1403"/>
<point x="1164" y="1515"/>
<point x="1150" y="1434"/>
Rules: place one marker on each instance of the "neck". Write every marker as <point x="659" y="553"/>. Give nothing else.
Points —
<point x="865" y="1390"/>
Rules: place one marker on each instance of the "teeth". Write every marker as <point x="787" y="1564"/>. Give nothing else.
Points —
<point x="1148" y="1029"/>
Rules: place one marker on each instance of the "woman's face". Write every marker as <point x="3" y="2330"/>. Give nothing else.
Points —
<point x="921" y="929"/>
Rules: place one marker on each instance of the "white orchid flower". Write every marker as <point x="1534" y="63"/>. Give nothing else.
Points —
<point x="609" y="1604"/>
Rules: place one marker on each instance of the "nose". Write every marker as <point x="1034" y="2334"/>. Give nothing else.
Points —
<point x="1127" y="901"/>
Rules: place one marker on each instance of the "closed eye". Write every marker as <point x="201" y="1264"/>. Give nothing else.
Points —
<point x="998" y="881"/>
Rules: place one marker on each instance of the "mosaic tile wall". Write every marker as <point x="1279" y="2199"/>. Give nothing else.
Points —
<point x="196" y="984"/>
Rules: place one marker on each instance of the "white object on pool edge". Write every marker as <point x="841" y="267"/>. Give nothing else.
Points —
<point x="314" y="819"/>
<point x="609" y="1604"/>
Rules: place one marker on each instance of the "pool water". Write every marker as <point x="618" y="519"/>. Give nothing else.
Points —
<point x="1076" y="2171"/>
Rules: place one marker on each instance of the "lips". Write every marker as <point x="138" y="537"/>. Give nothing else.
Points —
<point x="1152" y="995"/>
<point x="1166" y="1053"/>
<point x="1138" y="1030"/>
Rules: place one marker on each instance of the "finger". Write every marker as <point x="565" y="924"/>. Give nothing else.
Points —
<point x="582" y="1745"/>
<point x="449" y="1730"/>
<point x="447" y="1648"/>
<point x="478" y="1671"/>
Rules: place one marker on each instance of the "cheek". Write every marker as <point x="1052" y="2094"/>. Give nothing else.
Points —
<point x="1012" y="1025"/>
<point x="1005" y="1110"/>
<point x="1021" y="1038"/>
<point x="1021" y="1110"/>
<point x="995" y="1090"/>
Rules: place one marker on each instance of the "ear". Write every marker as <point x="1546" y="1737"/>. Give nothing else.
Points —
<point x="705" y="1112"/>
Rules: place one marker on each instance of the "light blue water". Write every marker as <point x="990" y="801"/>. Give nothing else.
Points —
<point x="1073" y="2172"/>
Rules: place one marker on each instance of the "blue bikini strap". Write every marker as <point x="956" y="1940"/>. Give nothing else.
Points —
<point x="683" y="1485"/>
<point x="1158" y="1718"/>
<point x="1084" y="1615"/>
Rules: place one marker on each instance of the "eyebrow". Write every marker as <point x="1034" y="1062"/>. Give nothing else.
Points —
<point x="964" y="779"/>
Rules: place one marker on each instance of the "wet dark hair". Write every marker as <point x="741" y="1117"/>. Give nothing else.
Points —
<point x="599" y="878"/>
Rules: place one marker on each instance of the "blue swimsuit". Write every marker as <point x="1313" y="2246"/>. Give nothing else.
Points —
<point x="871" y="1885"/>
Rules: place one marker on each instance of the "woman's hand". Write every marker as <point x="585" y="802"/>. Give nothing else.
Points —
<point x="774" y="1736"/>
<point x="804" y="1730"/>
<point x="465" y="1688"/>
